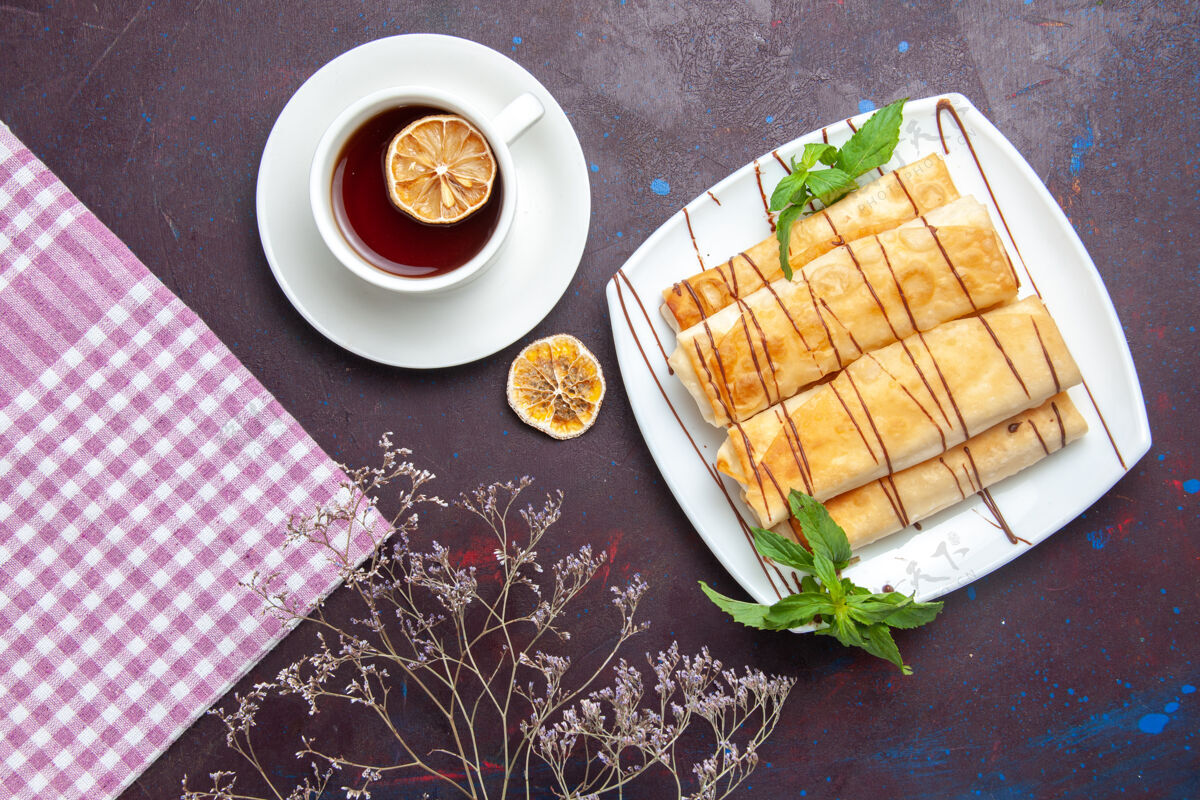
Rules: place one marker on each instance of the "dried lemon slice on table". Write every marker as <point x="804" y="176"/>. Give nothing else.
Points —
<point x="556" y="385"/>
<point x="440" y="169"/>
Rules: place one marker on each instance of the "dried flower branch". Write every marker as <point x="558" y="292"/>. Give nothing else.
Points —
<point x="479" y="649"/>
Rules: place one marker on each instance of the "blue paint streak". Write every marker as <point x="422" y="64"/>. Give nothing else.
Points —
<point x="770" y="118"/>
<point x="595" y="167"/>
<point x="865" y="105"/>
<point x="1188" y="688"/>
<point x="516" y="40"/>
<point x="902" y="47"/>
<point x="1098" y="539"/>
<point x="1191" y="485"/>
<point x="1153" y="723"/>
<point x="970" y="592"/>
<point x="1081" y="146"/>
<point x="660" y="187"/>
<point x="1171" y="708"/>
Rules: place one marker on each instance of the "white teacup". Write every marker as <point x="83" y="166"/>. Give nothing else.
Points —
<point x="500" y="130"/>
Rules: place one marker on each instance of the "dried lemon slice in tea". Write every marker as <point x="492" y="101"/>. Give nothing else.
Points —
<point x="439" y="169"/>
<point x="556" y="385"/>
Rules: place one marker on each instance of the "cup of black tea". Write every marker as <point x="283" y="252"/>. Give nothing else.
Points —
<point x="363" y="224"/>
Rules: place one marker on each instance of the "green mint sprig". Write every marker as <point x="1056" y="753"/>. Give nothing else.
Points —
<point x="871" y="146"/>
<point x="854" y="616"/>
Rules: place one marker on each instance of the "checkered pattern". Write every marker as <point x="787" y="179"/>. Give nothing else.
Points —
<point x="143" y="474"/>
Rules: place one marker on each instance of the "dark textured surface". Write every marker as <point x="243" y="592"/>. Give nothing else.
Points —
<point x="1067" y="673"/>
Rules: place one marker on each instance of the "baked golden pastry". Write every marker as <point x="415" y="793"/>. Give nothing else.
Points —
<point x="892" y="503"/>
<point x="899" y="406"/>
<point x="878" y="206"/>
<point x="861" y="296"/>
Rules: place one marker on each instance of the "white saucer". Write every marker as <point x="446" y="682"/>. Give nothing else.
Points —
<point x="459" y="325"/>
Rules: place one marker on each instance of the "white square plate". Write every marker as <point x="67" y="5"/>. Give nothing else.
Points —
<point x="962" y="543"/>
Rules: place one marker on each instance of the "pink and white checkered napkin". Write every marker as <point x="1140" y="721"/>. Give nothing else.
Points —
<point x="143" y="474"/>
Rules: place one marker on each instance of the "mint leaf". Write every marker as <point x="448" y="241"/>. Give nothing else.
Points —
<point x="788" y="186"/>
<point x="797" y="609"/>
<point x="830" y="184"/>
<point x="783" y="232"/>
<point x="802" y="197"/>
<point x="877" y="640"/>
<point x="853" y="588"/>
<point x="869" y="609"/>
<point x="872" y="145"/>
<point x="782" y="549"/>
<point x="823" y="534"/>
<point x="911" y="614"/>
<point x="752" y="615"/>
<point x="825" y="153"/>
<point x="845" y="630"/>
<point x="826" y="573"/>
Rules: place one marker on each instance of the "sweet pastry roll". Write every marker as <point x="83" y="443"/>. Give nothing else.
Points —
<point x="892" y="503"/>
<point x="899" y="406"/>
<point x="861" y="296"/>
<point x="885" y="203"/>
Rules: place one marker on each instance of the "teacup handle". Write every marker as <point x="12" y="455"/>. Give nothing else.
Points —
<point x="517" y="117"/>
